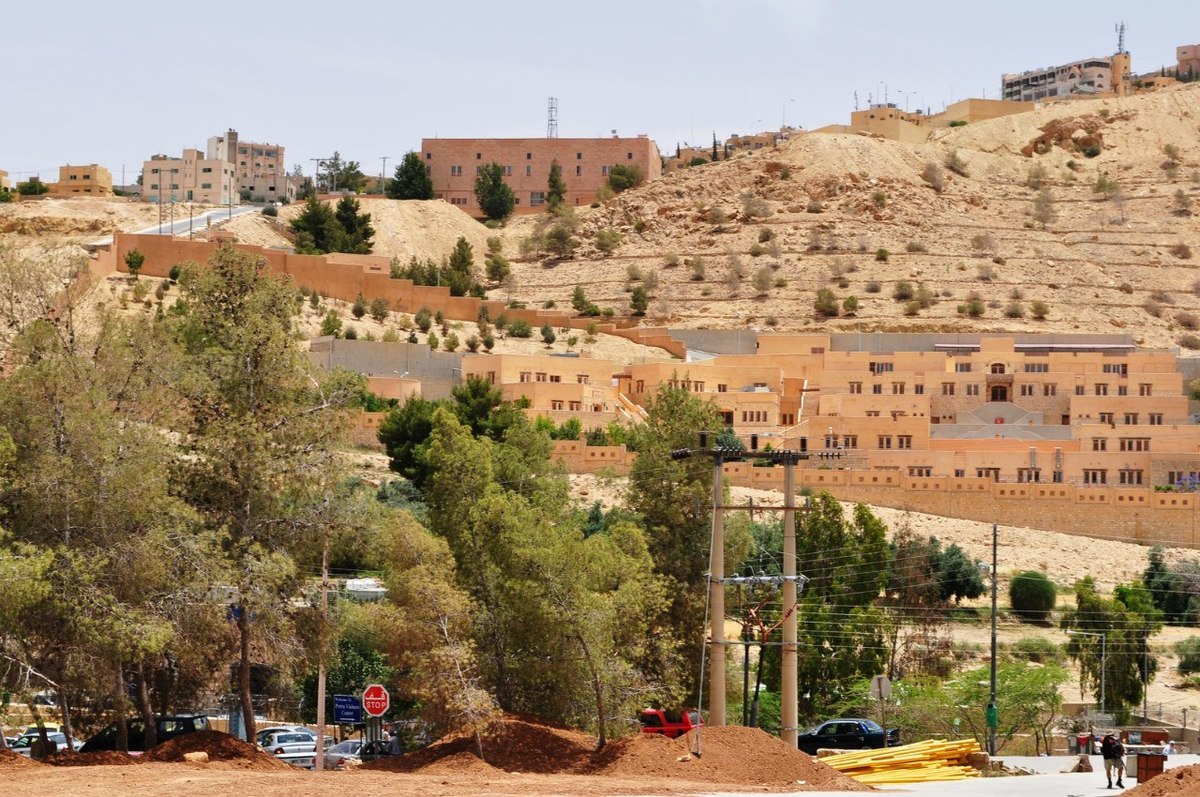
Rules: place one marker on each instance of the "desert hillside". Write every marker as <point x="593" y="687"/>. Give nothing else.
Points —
<point x="403" y="229"/>
<point x="771" y="228"/>
<point x="72" y="220"/>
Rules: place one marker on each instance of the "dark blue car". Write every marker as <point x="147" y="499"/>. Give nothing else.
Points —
<point x="847" y="733"/>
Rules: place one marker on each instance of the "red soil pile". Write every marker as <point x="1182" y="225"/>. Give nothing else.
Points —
<point x="10" y="760"/>
<point x="514" y="743"/>
<point x="67" y="758"/>
<point x="219" y="746"/>
<point x="1179" y="782"/>
<point x="731" y="755"/>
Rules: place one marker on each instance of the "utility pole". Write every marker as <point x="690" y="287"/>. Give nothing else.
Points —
<point x="993" y="713"/>
<point x="716" y="599"/>
<point x="383" y="174"/>
<point x="789" y="687"/>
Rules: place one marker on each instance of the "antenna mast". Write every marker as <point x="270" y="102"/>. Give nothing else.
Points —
<point x="1121" y="38"/>
<point x="552" y="118"/>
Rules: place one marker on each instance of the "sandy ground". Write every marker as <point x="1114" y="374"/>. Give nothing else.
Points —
<point x="73" y="220"/>
<point x="403" y="229"/>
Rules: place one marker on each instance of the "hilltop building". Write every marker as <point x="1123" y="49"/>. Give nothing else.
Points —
<point x="260" y="168"/>
<point x="6" y="182"/>
<point x="886" y="120"/>
<point x="1188" y="61"/>
<point x="1087" y="77"/>
<point x="74" y="181"/>
<point x="189" y="178"/>
<point x="453" y="164"/>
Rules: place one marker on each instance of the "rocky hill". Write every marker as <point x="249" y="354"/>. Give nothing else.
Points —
<point x="956" y="223"/>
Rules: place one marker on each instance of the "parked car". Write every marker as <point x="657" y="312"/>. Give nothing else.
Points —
<point x="297" y="748"/>
<point x="669" y="723"/>
<point x="847" y="733"/>
<point x="373" y="751"/>
<point x="262" y="733"/>
<point x="168" y="727"/>
<point x="24" y="744"/>
<point x="337" y="756"/>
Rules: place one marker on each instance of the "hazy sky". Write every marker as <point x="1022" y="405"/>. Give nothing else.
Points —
<point x="115" y="82"/>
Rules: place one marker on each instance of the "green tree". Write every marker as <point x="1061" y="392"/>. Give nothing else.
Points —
<point x="560" y="242"/>
<point x="379" y="309"/>
<point x="133" y="261"/>
<point x="260" y="431"/>
<point x="315" y="228"/>
<point x="356" y="230"/>
<point x="1127" y="620"/>
<point x="331" y="324"/>
<point x="404" y="433"/>
<point x="639" y="300"/>
<point x="548" y="336"/>
<point x="493" y="195"/>
<point x="622" y="177"/>
<point x="1032" y="595"/>
<point x="556" y="187"/>
<point x="461" y="275"/>
<point x="412" y="180"/>
<point x="359" y="308"/>
<point x="32" y="187"/>
<point x="336" y="175"/>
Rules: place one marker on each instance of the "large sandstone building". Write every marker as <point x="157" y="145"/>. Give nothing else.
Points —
<point x="454" y="163"/>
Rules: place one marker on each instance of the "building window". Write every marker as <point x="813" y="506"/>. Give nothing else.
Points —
<point x="856" y="388"/>
<point x="997" y="368"/>
<point x="1099" y="444"/>
<point x="1129" y="476"/>
<point x="1029" y="475"/>
<point x="604" y="171"/>
<point x="1101" y="389"/>
<point x="556" y="404"/>
<point x="428" y="156"/>
<point x="897" y="388"/>
<point x="850" y="441"/>
<point x="1135" y="443"/>
<point x="1106" y="417"/>
<point x="919" y="389"/>
<point x="722" y="388"/>
<point x="872" y="413"/>
<point x="528" y="156"/>
<point x="540" y="376"/>
<point x="881" y="368"/>
<point x="1131" y="419"/>
<point x="456" y="171"/>
<point x="1178" y="476"/>
<point x="529" y="171"/>
<point x="575" y="406"/>
<point x="920" y="471"/>
<point x="904" y="441"/>
<point x="478" y="170"/>
<point x="154" y="185"/>
<point x="697" y="387"/>
<point x="537" y="198"/>
<point x="1122" y="390"/>
<point x="578" y="171"/>
<point x="491" y="377"/>
<point x="1116" y="368"/>
<point x="206" y="185"/>
<point x="1095" y="476"/>
<point x="578" y="156"/>
<point x="1037" y="368"/>
<point x="877" y="390"/>
<point x="628" y="156"/>
<point x="831" y="441"/>
<point x="508" y="171"/>
<point x="1027" y="390"/>
<point x="962" y="368"/>
<point x="1156" y="419"/>
<point x="526" y="376"/>
<point x="988" y="473"/>
<point x="1079" y="390"/>
<point x="1145" y="390"/>
<point x="972" y="390"/>
<point x="641" y="386"/>
<point x="885" y="441"/>
<point x="478" y="156"/>
<point x="582" y="379"/>
<point x="959" y="473"/>
<point x="947" y="388"/>
<point x="556" y="378"/>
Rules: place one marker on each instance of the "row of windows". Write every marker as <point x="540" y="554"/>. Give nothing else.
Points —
<point x="754" y="416"/>
<point x="479" y="155"/>
<point x="573" y="406"/>
<point x="902" y="441"/>
<point x="1028" y="389"/>
<point x="456" y="171"/>
<point x="846" y="441"/>
<point x="1127" y="476"/>
<point x="542" y="376"/>
<point x="1121" y="369"/>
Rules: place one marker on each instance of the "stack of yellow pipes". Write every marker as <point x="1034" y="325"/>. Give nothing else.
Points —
<point x="910" y="763"/>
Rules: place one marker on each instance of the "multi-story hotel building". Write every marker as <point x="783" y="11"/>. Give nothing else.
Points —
<point x="260" y="168"/>
<point x="1089" y="76"/>
<point x="454" y="163"/>
<point x="190" y="178"/>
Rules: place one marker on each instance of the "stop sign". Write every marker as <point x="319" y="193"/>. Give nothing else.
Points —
<point x="376" y="700"/>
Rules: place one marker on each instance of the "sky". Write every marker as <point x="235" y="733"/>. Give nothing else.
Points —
<point x="118" y="81"/>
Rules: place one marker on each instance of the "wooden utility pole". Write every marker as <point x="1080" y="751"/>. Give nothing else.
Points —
<point x="716" y="600"/>
<point x="319" y="758"/>
<point x="789" y="688"/>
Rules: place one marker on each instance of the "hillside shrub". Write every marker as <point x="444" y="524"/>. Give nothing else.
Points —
<point x="1190" y="342"/>
<point x="1182" y="251"/>
<point x="915" y="246"/>
<point x="826" y="304"/>
<point x="882" y="255"/>
<point x="1038" y="650"/>
<point x="1187" y="321"/>
<point x="814" y="206"/>
<point x="1188" y="651"/>
<point x="903" y="291"/>
<point x="1032" y="595"/>
<point x="1153" y="308"/>
<point x="932" y="174"/>
<point x="956" y="164"/>
<point x="519" y="328"/>
<point x="850" y="305"/>
<point x="874" y="286"/>
<point x="1014" y="309"/>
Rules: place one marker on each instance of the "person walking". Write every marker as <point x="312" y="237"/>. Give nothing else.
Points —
<point x="1113" y="753"/>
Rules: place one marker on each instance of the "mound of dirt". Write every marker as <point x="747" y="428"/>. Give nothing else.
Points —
<point x="460" y="764"/>
<point x="10" y="760"/>
<point x="100" y="758"/>
<point x="1181" y="782"/>
<point x="732" y="755"/>
<point x="219" y="746"/>
<point x="513" y="743"/>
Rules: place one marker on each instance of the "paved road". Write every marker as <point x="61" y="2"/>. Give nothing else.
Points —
<point x="197" y="222"/>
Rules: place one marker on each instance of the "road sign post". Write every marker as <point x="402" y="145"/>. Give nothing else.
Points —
<point x="376" y="700"/>
<point x="881" y="690"/>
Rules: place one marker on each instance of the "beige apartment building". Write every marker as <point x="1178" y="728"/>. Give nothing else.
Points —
<point x="190" y="178"/>
<point x="6" y="182"/>
<point x="1188" y="61"/>
<point x="260" y="168"/>
<point x="557" y="386"/>
<point x="89" y="180"/>
<point x="454" y="163"/>
<point x="887" y="120"/>
<point x="1086" y="77"/>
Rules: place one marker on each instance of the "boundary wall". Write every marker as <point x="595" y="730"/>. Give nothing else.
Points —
<point x="1111" y="513"/>
<point x="344" y="277"/>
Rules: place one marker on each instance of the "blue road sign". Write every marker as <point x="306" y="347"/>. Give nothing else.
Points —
<point x="347" y="709"/>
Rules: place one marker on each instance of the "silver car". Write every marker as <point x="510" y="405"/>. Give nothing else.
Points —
<point x="298" y="749"/>
<point x="24" y="745"/>
<point x="337" y="756"/>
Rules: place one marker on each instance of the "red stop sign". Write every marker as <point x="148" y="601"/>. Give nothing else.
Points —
<point x="376" y="700"/>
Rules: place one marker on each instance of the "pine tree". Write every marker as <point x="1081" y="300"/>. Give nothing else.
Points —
<point x="412" y="180"/>
<point x="357" y="232"/>
<point x="313" y="227"/>
<point x="556" y="189"/>
<point x="495" y="198"/>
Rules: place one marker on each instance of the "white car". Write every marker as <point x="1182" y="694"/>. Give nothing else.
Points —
<point x="297" y="748"/>
<point x="342" y="752"/>
<point x="24" y="745"/>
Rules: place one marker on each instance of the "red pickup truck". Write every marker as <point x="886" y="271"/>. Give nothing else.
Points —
<point x="669" y="723"/>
